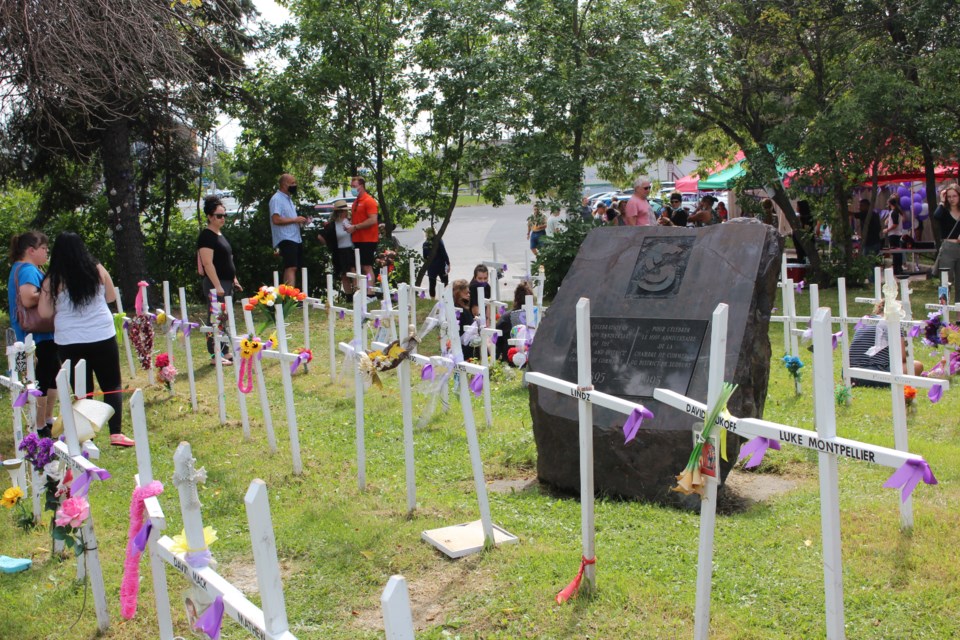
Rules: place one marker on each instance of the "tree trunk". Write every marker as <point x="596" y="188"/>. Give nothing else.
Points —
<point x="131" y="266"/>
<point x="930" y="180"/>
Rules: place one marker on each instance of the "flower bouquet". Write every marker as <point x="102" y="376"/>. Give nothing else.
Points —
<point x="166" y="371"/>
<point x="37" y="451"/>
<point x="691" y="480"/>
<point x="793" y="365"/>
<point x="266" y="298"/>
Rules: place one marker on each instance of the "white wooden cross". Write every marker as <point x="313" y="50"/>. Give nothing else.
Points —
<point x="241" y="396"/>
<point x="829" y="447"/>
<point x="265" y="413"/>
<point x="897" y="379"/>
<point x="19" y="476"/>
<point x="266" y="623"/>
<point x="169" y="328"/>
<point x="152" y="512"/>
<point x="586" y="396"/>
<point x="499" y="268"/>
<point x="186" y="328"/>
<point x="415" y="291"/>
<point x="305" y="307"/>
<point x="70" y="452"/>
<point x="460" y="540"/>
<point x="395" y="604"/>
<point x="218" y="339"/>
<point x="945" y="309"/>
<point x="126" y="336"/>
<point x="486" y="341"/>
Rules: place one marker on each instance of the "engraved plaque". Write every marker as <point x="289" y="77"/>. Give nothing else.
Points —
<point x="660" y="267"/>
<point x="633" y="356"/>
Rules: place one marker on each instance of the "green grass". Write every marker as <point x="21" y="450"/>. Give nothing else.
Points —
<point x="339" y="546"/>
<point x="467" y="200"/>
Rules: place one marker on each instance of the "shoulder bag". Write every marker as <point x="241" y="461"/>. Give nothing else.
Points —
<point x="29" y="318"/>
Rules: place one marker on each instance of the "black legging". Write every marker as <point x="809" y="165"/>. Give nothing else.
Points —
<point x="444" y="278"/>
<point x="103" y="359"/>
<point x="895" y="243"/>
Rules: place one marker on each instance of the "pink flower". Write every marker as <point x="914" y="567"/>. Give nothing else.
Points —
<point x="73" y="512"/>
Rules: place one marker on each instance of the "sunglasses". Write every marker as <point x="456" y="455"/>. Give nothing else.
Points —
<point x="220" y="216"/>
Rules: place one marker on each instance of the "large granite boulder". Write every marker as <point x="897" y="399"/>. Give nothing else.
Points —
<point x="652" y="292"/>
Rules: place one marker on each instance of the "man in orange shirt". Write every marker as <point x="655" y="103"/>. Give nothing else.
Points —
<point x="364" y="229"/>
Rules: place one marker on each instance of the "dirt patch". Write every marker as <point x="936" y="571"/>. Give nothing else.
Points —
<point x="515" y="485"/>
<point x="434" y="595"/>
<point x="242" y="574"/>
<point x="744" y="489"/>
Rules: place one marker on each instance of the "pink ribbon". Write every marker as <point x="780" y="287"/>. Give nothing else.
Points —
<point x="756" y="449"/>
<point x="909" y="475"/>
<point x="138" y="301"/>
<point x="81" y="483"/>
<point x="211" y="619"/>
<point x="632" y="425"/>
<point x="21" y="398"/>
<point x="245" y="381"/>
<point x="130" y="586"/>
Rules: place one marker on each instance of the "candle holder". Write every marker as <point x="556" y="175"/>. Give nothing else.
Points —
<point x="13" y="466"/>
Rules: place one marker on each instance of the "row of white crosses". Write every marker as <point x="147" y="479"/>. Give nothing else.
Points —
<point x="910" y="467"/>
<point x="458" y="540"/>
<point x="266" y="622"/>
<point x="23" y="395"/>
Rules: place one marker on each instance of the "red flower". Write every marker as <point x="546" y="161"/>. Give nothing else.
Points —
<point x="163" y="360"/>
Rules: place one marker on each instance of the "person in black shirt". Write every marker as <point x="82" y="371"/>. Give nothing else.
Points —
<point x="947" y="216"/>
<point x="215" y="262"/>
<point x="440" y="265"/>
<point x="674" y="215"/>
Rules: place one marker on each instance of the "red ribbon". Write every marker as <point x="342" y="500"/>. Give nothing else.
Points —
<point x="571" y="589"/>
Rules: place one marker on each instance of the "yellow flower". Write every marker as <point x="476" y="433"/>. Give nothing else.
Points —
<point x="11" y="497"/>
<point x="690" y="482"/>
<point x="180" y="540"/>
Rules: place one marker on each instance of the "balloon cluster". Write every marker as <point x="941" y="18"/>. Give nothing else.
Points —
<point x="913" y="202"/>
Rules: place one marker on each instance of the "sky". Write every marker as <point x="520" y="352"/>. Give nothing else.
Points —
<point x="271" y="12"/>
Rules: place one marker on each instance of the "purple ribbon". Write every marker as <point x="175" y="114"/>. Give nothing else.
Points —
<point x="140" y="540"/>
<point x="914" y="331"/>
<point x="457" y="313"/>
<point x="756" y="449"/>
<point x="126" y="323"/>
<point x="859" y="325"/>
<point x="427" y="372"/>
<point x="341" y="314"/>
<point x="423" y="294"/>
<point x="302" y="358"/>
<point x="799" y="286"/>
<point x="835" y="337"/>
<point x="909" y="475"/>
<point x="211" y="619"/>
<point x="935" y="393"/>
<point x="81" y="484"/>
<point x="198" y="559"/>
<point x="476" y="385"/>
<point x="808" y="334"/>
<point x="493" y="338"/>
<point x="376" y="322"/>
<point x="632" y="425"/>
<point x="21" y="398"/>
<point x="187" y="327"/>
<point x="502" y="309"/>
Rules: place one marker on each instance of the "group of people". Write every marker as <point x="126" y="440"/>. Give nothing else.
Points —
<point x="71" y="299"/>
<point x="639" y="210"/>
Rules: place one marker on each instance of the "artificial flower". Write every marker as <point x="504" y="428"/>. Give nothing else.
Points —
<point x="690" y="479"/>
<point x="909" y="394"/>
<point x="11" y="497"/>
<point x="180" y="540"/>
<point x="162" y="360"/>
<point x="72" y="512"/>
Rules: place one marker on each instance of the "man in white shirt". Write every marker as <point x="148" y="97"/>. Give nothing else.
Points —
<point x="285" y="228"/>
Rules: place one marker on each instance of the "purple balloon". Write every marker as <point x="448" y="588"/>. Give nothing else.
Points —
<point x="917" y="197"/>
<point x="924" y="212"/>
<point x="923" y="192"/>
<point x="917" y="208"/>
<point x="905" y="202"/>
<point x="907" y="225"/>
<point x="903" y="192"/>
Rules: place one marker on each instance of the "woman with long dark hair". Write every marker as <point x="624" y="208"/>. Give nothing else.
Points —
<point x="28" y="252"/>
<point x="947" y="215"/>
<point x="78" y="289"/>
<point x="894" y="231"/>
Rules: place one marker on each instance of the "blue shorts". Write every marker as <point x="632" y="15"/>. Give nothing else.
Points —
<point x="535" y="239"/>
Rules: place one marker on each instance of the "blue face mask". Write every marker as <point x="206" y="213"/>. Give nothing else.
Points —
<point x="354" y="192"/>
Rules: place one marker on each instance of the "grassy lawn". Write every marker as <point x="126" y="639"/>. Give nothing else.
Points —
<point x="338" y="547"/>
<point x="466" y="200"/>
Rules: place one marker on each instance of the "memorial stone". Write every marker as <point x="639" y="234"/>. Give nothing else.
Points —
<point x="652" y="293"/>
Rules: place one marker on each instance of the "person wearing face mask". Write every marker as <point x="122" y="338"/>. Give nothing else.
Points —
<point x="285" y="226"/>
<point x="363" y="226"/>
